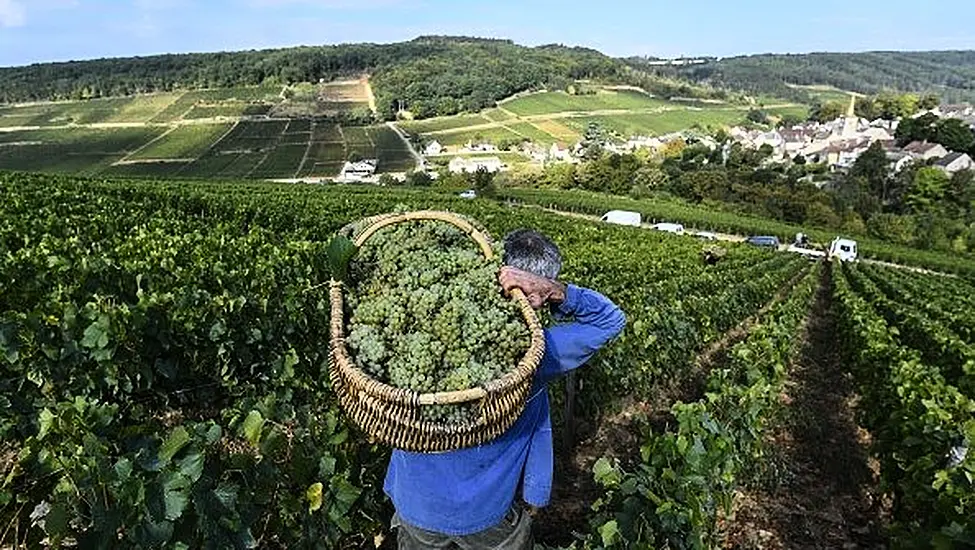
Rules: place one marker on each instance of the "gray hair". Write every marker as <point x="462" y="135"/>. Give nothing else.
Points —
<point x="529" y="250"/>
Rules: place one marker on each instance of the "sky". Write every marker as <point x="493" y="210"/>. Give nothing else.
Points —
<point x="59" y="30"/>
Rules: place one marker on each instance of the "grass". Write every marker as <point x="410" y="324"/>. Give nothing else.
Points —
<point x="496" y="115"/>
<point x="227" y="109"/>
<point x="532" y="132"/>
<point x="87" y="140"/>
<point x="660" y="123"/>
<point x="799" y="111"/>
<point x="184" y="142"/>
<point x="394" y="155"/>
<point x="493" y="135"/>
<point x="282" y="162"/>
<point x="558" y="102"/>
<point x="144" y="107"/>
<point x="444" y="123"/>
<point x="558" y="130"/>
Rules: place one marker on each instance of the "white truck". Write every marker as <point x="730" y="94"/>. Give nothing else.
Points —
<point x="675" y="228"/>
<point x="622" y="217"/>
<point x="844" y="249"/>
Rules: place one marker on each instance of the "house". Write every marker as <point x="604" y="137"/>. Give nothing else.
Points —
<point x="642" y="142"/>
<point x="877" y="134"/>
<point x="843" y="155"/>
<point x="559" y="154"/>
<point x="461" y="165"/>
<point x="899" y="159"/>
<point x="954" y="162"/>
<point x="359" y="171"/>
<point x="923" y="150"/>
<point x="472" y="147"/>
<point x="433" y="148"/>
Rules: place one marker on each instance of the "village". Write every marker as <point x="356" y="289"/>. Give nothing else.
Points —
<point x="837" y="144"/>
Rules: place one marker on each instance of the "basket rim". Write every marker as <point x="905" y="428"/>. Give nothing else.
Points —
<point x="525" y="368"/>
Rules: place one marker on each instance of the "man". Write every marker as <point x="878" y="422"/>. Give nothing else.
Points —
<point x="468" y="498"/>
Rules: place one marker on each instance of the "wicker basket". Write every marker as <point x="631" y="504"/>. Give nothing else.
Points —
<point x="391" y="415"/>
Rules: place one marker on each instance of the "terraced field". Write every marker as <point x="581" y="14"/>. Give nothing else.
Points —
<point x="557" y="117"/>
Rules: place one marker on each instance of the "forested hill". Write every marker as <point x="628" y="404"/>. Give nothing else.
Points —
<point x="950" y="74"/>
<point x="429" y="75"/>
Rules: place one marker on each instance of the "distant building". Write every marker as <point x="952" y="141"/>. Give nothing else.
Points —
<point x="460" y="165"/>
<point x="472" y="147"/>
<point x="923" y="150"/>
<point x="899" y="159"/>
<point x="954" y="162"/>
<point x="433" y="148"/>
<point x="359" y="171"/>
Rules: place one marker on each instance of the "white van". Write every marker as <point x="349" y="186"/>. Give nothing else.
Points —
<point x="844" y="249"/>
<point x="622" y="217"/>
<point x="675" y="228"/>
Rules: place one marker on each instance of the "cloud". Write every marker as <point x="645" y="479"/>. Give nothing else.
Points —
<point x="12" y="14"/>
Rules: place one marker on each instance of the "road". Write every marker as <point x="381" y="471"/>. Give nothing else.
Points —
<point x="402" y="136"/>
<point x="727" y="237"/>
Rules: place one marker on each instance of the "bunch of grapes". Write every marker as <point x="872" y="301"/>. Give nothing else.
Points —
<point x="427" y="314"/>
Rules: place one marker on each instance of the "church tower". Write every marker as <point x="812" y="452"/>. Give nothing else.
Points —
<point x="850" y="120"/>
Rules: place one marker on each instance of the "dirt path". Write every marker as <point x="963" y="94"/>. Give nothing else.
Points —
<point x="399" y="132"/>
<point x="617" y="435"/>
<point x="824" y="494"/>
<point x="367" y="86"/>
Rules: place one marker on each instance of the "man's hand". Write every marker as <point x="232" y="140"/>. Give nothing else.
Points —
<point x="538" y="290"/>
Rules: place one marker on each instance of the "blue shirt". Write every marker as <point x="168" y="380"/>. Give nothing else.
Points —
<point x="469" y="490"/>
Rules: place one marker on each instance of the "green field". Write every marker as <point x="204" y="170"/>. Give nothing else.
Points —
<point x="444" y="123"/>
<point x="559" y="102"/>
<point x="177" y="328"/>
<point x="110" y="110"/>
<point x="183" y="142"/>
<point x="248" y="149"/>
<point x="492" y="135"/>
<point x="660" y="123"/>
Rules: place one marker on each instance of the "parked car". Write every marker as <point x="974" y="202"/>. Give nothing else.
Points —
<point x="469" y="194"/>
<point x="622" y="217"/>
<point x="675" y="228"/>
<point x="764" y="241"/>
<point x="844" y="249"/>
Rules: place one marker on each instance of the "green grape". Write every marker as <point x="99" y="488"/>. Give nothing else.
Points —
<point x="427" y="314"/>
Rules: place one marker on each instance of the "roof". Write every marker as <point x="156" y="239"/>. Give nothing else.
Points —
<point x="920" y="146"/>
<point x="950" y="158"/>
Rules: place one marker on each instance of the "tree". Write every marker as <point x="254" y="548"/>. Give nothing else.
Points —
<point x="387" y="180"/>
<point x="867" y="108"/>
<point x="922" y="128"/>
<point x="825" y="112"/>
<point x="651" y="177"/>
<point x="483" y="182"/>
<point x="954" y="134"/>
<point x="418" y="179"/>
<point x="872" y="166"/>
<point x="892" y="228"/>
<point x="354" y="156"/>
<point x="927" y="191"/>
<point x="757" y="116"/>
<point x="928" y="102"/>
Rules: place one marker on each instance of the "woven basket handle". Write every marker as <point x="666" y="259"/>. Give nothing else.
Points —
<point x="463" y="396"/>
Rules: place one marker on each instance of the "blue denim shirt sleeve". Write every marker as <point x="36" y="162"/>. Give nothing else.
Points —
<point x="596" y="321"/>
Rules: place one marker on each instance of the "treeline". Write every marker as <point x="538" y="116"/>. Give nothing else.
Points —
<point x="920" y="206"/>
<point x="428" y="76"/>
<point x="950" y="74"/>
<point x="952" y="133"/>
